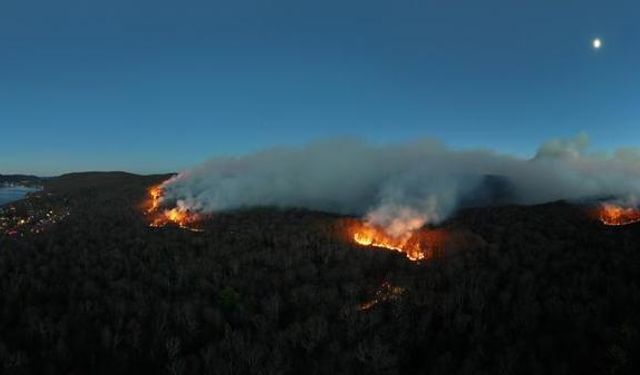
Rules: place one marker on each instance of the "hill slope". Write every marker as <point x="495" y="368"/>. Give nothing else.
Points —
<point x="527" y="290"/>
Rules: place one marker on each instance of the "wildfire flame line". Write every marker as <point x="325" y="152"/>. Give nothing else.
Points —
<point x="615" y="215"/>
<point x="409" y="244"/>
<point x="155" y="194"/>
<point x="161" y="217"/>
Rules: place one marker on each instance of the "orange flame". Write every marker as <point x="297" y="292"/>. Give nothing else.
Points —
<point x="162" y="217"/>
<point x="155" y="194"/>
<point x="409" y="244"/>
<point x="616" y="215"/>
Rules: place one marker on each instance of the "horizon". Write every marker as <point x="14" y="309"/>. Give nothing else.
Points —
<point x="579" y="145"/>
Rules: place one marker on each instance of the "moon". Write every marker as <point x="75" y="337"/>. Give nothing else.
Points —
<point x="597" y="43"/>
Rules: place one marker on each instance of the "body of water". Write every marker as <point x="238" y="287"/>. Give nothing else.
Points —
<point x="14" y="193"/>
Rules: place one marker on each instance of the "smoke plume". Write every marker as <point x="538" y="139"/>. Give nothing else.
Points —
<point x="402" y="187"/>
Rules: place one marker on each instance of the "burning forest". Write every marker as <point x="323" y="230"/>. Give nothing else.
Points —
<point x="319" y="187"/>
<point x="314" y="287"/>
<point x="417" y="245"/>
<point x="408" y="244"/>
<point x="159" y="216"/>
<point x="613" y="214"/>
<point x="397" y="190"/>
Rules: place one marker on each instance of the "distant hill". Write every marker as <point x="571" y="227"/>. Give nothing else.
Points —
<point x="20" y="179"/>
<point x="87" y="180"/>
<point x="105" y="185"/>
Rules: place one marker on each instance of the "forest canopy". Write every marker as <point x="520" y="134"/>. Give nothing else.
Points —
<point x="521" y="290"/>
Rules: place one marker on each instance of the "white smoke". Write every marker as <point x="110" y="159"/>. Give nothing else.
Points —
<point x="401" y="187"/>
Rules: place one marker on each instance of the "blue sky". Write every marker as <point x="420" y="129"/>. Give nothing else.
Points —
<point x="152" y="86"/>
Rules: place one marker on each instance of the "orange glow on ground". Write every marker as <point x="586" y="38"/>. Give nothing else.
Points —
<point x="386" y="292"/>
<point x="416" y="245"/>
<point x="616" y="215"/>
<point x="159" y="217"/>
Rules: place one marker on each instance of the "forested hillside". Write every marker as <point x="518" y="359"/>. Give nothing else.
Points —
<point x="516" y="290"/>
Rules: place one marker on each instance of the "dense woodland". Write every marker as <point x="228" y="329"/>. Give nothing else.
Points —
<point x="519" y="290"/>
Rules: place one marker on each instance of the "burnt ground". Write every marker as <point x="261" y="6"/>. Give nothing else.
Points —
<point x="515" y="290"/>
